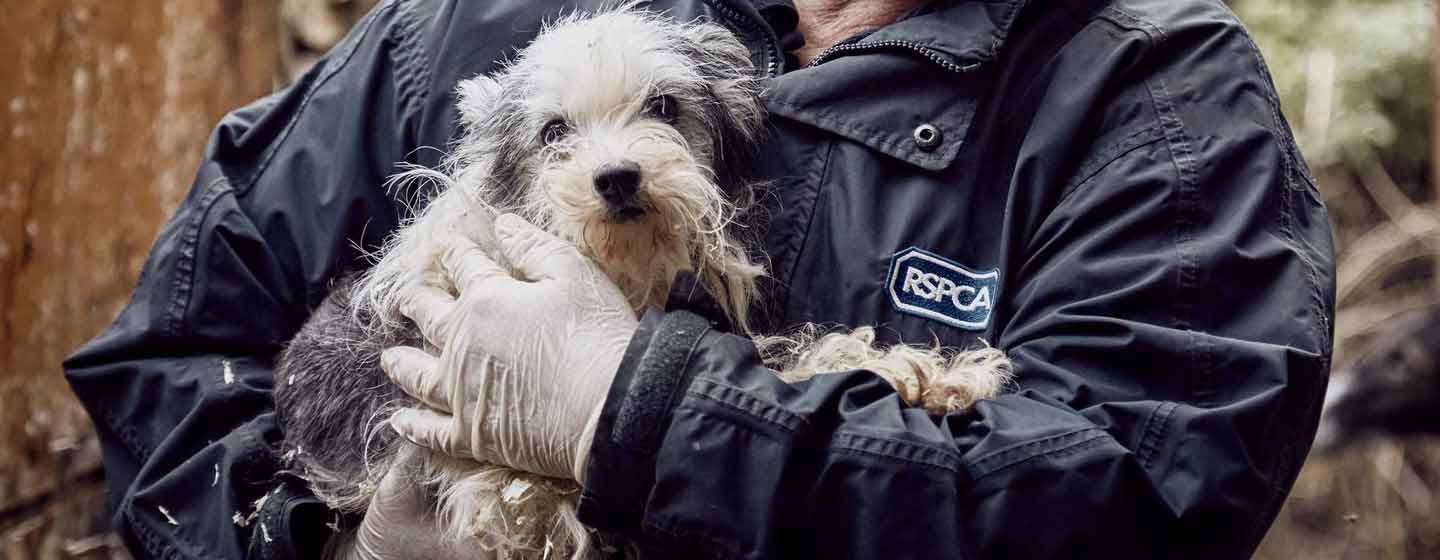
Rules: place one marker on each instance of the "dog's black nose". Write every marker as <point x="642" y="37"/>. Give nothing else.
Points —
<point x="617" y="183"/>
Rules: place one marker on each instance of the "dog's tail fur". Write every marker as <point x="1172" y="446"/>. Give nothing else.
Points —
<point x="941" y="380"/>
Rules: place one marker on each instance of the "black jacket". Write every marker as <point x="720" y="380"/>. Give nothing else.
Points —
<point x="1115" y="178"/>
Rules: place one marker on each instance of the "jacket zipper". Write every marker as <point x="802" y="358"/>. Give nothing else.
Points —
<point x="928" y="53"/>
<point x="772" y="58"/>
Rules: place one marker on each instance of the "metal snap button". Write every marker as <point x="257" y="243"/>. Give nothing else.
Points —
<point x="927" y="137"/>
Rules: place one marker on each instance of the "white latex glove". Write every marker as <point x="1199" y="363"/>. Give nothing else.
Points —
<point x="400" y="523"/>
<point x="525" y="361"/>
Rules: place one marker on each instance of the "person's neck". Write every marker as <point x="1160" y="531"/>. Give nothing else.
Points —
<point x="827" y="22"/>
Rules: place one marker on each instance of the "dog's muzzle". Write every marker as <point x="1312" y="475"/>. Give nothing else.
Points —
<point x="619" y="186"/>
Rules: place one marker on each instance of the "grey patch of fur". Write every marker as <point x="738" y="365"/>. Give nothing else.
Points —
<point x="331" y="400"/>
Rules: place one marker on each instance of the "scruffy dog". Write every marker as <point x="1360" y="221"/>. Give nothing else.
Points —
<point x="625" y="134"/>
<point x="1393" y="388"/>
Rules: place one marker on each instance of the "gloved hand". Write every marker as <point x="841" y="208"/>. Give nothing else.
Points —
<point x="400" y="523"/>
<point x="525" y="360"/>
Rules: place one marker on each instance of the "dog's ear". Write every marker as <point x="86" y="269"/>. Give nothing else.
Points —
<point x="725" y="64"/>
<point x="736" y="115"/>
<point x="476" y="98"/>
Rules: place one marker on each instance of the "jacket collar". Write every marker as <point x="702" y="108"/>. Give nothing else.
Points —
<point x="970" y="31"/>
<point x="882" y="87"/>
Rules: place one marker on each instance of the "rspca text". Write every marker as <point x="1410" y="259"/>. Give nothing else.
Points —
<point x="924" y="284"/>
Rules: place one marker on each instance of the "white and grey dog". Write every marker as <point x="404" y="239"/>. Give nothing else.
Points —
<point x="626" y="134"/>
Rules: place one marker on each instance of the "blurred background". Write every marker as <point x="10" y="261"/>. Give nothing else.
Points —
<point x="105" y="107"/>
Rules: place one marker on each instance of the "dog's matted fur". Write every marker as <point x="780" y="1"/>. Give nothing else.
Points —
<point x="626" y="134"/>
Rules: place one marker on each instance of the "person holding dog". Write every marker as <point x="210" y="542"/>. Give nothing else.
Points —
<point x="1114" y="175"/>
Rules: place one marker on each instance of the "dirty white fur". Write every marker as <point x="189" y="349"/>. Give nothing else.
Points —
<point x="942" y="380"/>
<point x="600" y="74"/>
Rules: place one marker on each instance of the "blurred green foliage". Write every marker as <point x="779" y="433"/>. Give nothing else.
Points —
<point x="1355" y="81"/>
<point x="1354" y="77"/>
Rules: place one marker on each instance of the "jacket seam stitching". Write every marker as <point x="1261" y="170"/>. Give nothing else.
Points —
<point x="982" y="464"/>
<point x="1094" y="435"/>
<point x="189" y="249"/>
<point x="1112" y="154"/>
<point x="147" y="538"/>
<point x="126" y="433"/>
<point x="330" y="71"/>
<point x="766" y="410"/>
<point x="819" y="182"/>
<point x="735" y="21"/>
<point x="1003" y="32"/>
<point x="1293" y="168"/>
<point x="1287" y="231"/>
<point x="1182" y="158"/>
<point x="1272" y="101"/>
<point x="1156" y="426"/>
<point x="409" y="54"/>
<point x="837" y="444"/>
<point x="893" y="458"/>
<point x="1131" y="22"/>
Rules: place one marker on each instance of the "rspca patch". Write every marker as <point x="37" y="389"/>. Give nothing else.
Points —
<point x="930" y="286"/>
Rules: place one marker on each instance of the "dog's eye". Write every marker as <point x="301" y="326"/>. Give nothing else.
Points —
<point x="555" y="131"/>
<point x="661" y="108"/>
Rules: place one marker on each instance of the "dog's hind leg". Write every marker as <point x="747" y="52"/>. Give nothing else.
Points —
<point x="332" y="399"/>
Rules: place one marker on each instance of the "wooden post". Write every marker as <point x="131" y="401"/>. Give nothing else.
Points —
<point x="105" y="108"/>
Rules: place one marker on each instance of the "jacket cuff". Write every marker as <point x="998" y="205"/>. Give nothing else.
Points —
<point x="292" y="523"/>
<point x="651" y="380"/>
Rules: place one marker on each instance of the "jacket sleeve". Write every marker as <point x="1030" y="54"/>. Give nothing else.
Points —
<point x="1170" y="324"/>
<point x="179" y="386"/>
